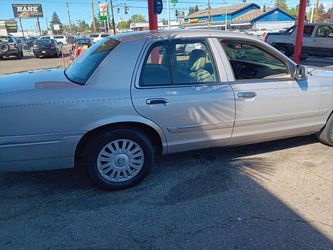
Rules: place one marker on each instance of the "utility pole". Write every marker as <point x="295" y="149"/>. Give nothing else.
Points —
<point x="47" y="26"/>
<point x="312" y="11"/>
<point x="93" y="15"/>
<point x="39" y="29"/>
<point x="316" y="11"/>
<point x="208" y="12"/>
<point x="112" y="18"/>
<point x="168" y="7"/>
<point x="69" y="18"/>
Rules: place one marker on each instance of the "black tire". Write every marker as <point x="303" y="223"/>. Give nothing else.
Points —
<point x="4" y="47"/>
<point x="97" y="143"/>
<point x="19" y="55"/>
<point x="326" y="134"/>
<point x="284" y="50"/>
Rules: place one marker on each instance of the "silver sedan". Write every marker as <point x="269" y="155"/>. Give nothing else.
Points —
<point x="131" y="97"/>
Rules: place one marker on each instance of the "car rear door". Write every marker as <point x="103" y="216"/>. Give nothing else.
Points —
<point x="270" y="103"/>
<point x="184" y="92"/>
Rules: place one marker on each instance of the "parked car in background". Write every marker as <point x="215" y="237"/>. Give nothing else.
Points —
<point x="47" y="37"/>
<point x="97" y="37"/>
<point x="10" y="46"/>
<point x="80" y="41"/>
<point x="80" y="46"/>
<point x="64" y="40"/>
<point x="130" y="97"/>
<point x="317" y="40"/>
<point x="46" y="47"/>
<point x="30" y="42"/>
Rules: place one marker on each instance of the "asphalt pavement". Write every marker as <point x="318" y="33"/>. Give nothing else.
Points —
<point x="275" y="195"/>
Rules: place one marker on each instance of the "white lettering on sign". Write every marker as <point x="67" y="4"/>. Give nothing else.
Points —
<point x="29" y="8"/>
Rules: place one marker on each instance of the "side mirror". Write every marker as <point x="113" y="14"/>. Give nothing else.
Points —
<point x="301" y="72"/>
<point x="330" y="35"/>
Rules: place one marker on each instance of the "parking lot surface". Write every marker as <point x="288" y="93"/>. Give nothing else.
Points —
<point x="275" y="195"/>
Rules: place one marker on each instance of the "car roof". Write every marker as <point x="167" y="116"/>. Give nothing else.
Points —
<point x="174" y="34"/>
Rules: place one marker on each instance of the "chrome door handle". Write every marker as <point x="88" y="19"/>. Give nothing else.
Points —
<point x="154" y="101"/>
<point x="246" y="95"/>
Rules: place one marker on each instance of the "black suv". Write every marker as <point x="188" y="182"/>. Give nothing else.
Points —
<point x="9" y="46"/>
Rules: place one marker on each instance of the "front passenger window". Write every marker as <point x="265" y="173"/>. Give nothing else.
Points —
<point x="251" y="62"/>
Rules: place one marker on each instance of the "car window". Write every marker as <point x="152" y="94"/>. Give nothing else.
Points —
<point x="94" y="36"/>
<point x="251" y="62"/>
<point x="324" y="31"/>
<point x="6" y="39"/>
<point x="193" y="63"/>
<point x="308" y="30"/>
<point x="44" y="41"/>
<point x="57" y="37"/>
<point x="178" y="62"/>
<point x="83" y="67"/>
<point x="105" y="35"/>
<point x="156" y="70"/>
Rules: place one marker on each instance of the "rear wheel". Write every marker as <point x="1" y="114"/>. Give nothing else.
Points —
<point x="19" y="55"/>
<point x="119" y="158"/>
<point x="326" y="134"/>
<point x="284" y="50"/>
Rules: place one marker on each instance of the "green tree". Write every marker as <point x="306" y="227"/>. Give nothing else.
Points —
<point x="123" y="25"/>
<point x="282" y="4"/>
<point x="82" y="26"/>
<point x="137" y="18"/>
<point x="56" y="21"/>
<point x="192" y="10"/>
<point x="70" y="29"/>
<point x="293" y="11"/>
<point x="98" y="25"/>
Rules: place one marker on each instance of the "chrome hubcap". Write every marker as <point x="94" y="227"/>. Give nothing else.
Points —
<point x="120" y="160"/>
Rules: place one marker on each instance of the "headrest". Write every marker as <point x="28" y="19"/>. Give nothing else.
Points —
<point x="197" y="60"/>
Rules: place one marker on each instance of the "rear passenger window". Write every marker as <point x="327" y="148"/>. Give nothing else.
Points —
<point x="308" y="31"/>
<point x="156" y="68"/>
<point x="193" y="63"/>
<point x="178" y="62"/>
<point x="324" y="31"/>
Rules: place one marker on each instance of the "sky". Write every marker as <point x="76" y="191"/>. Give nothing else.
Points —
<point x="81" y="9"/>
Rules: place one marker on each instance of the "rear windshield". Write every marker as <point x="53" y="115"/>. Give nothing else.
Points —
<point x="94" y="35"/>
<point x="6" y="39"/>
<point x="83" y="67"/>
<point x="44" y="41"/>
<point x="58" y="36"/>
<point x="45" y="37"/>
<point x="83" y="40"/>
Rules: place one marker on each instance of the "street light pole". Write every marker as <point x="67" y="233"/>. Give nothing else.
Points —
<point x="226" y="14"/>
<point x="93" y="15"/>
<point x="168" y="9"/>
<point x="112" y="18"/>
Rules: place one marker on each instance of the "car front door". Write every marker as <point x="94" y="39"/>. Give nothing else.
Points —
<point x="270" y="102"/>
<point x="180" y="88"/>
<point x="322" y="41"/>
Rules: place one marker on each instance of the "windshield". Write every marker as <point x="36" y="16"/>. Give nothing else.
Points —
<point x="83" y="67"/>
